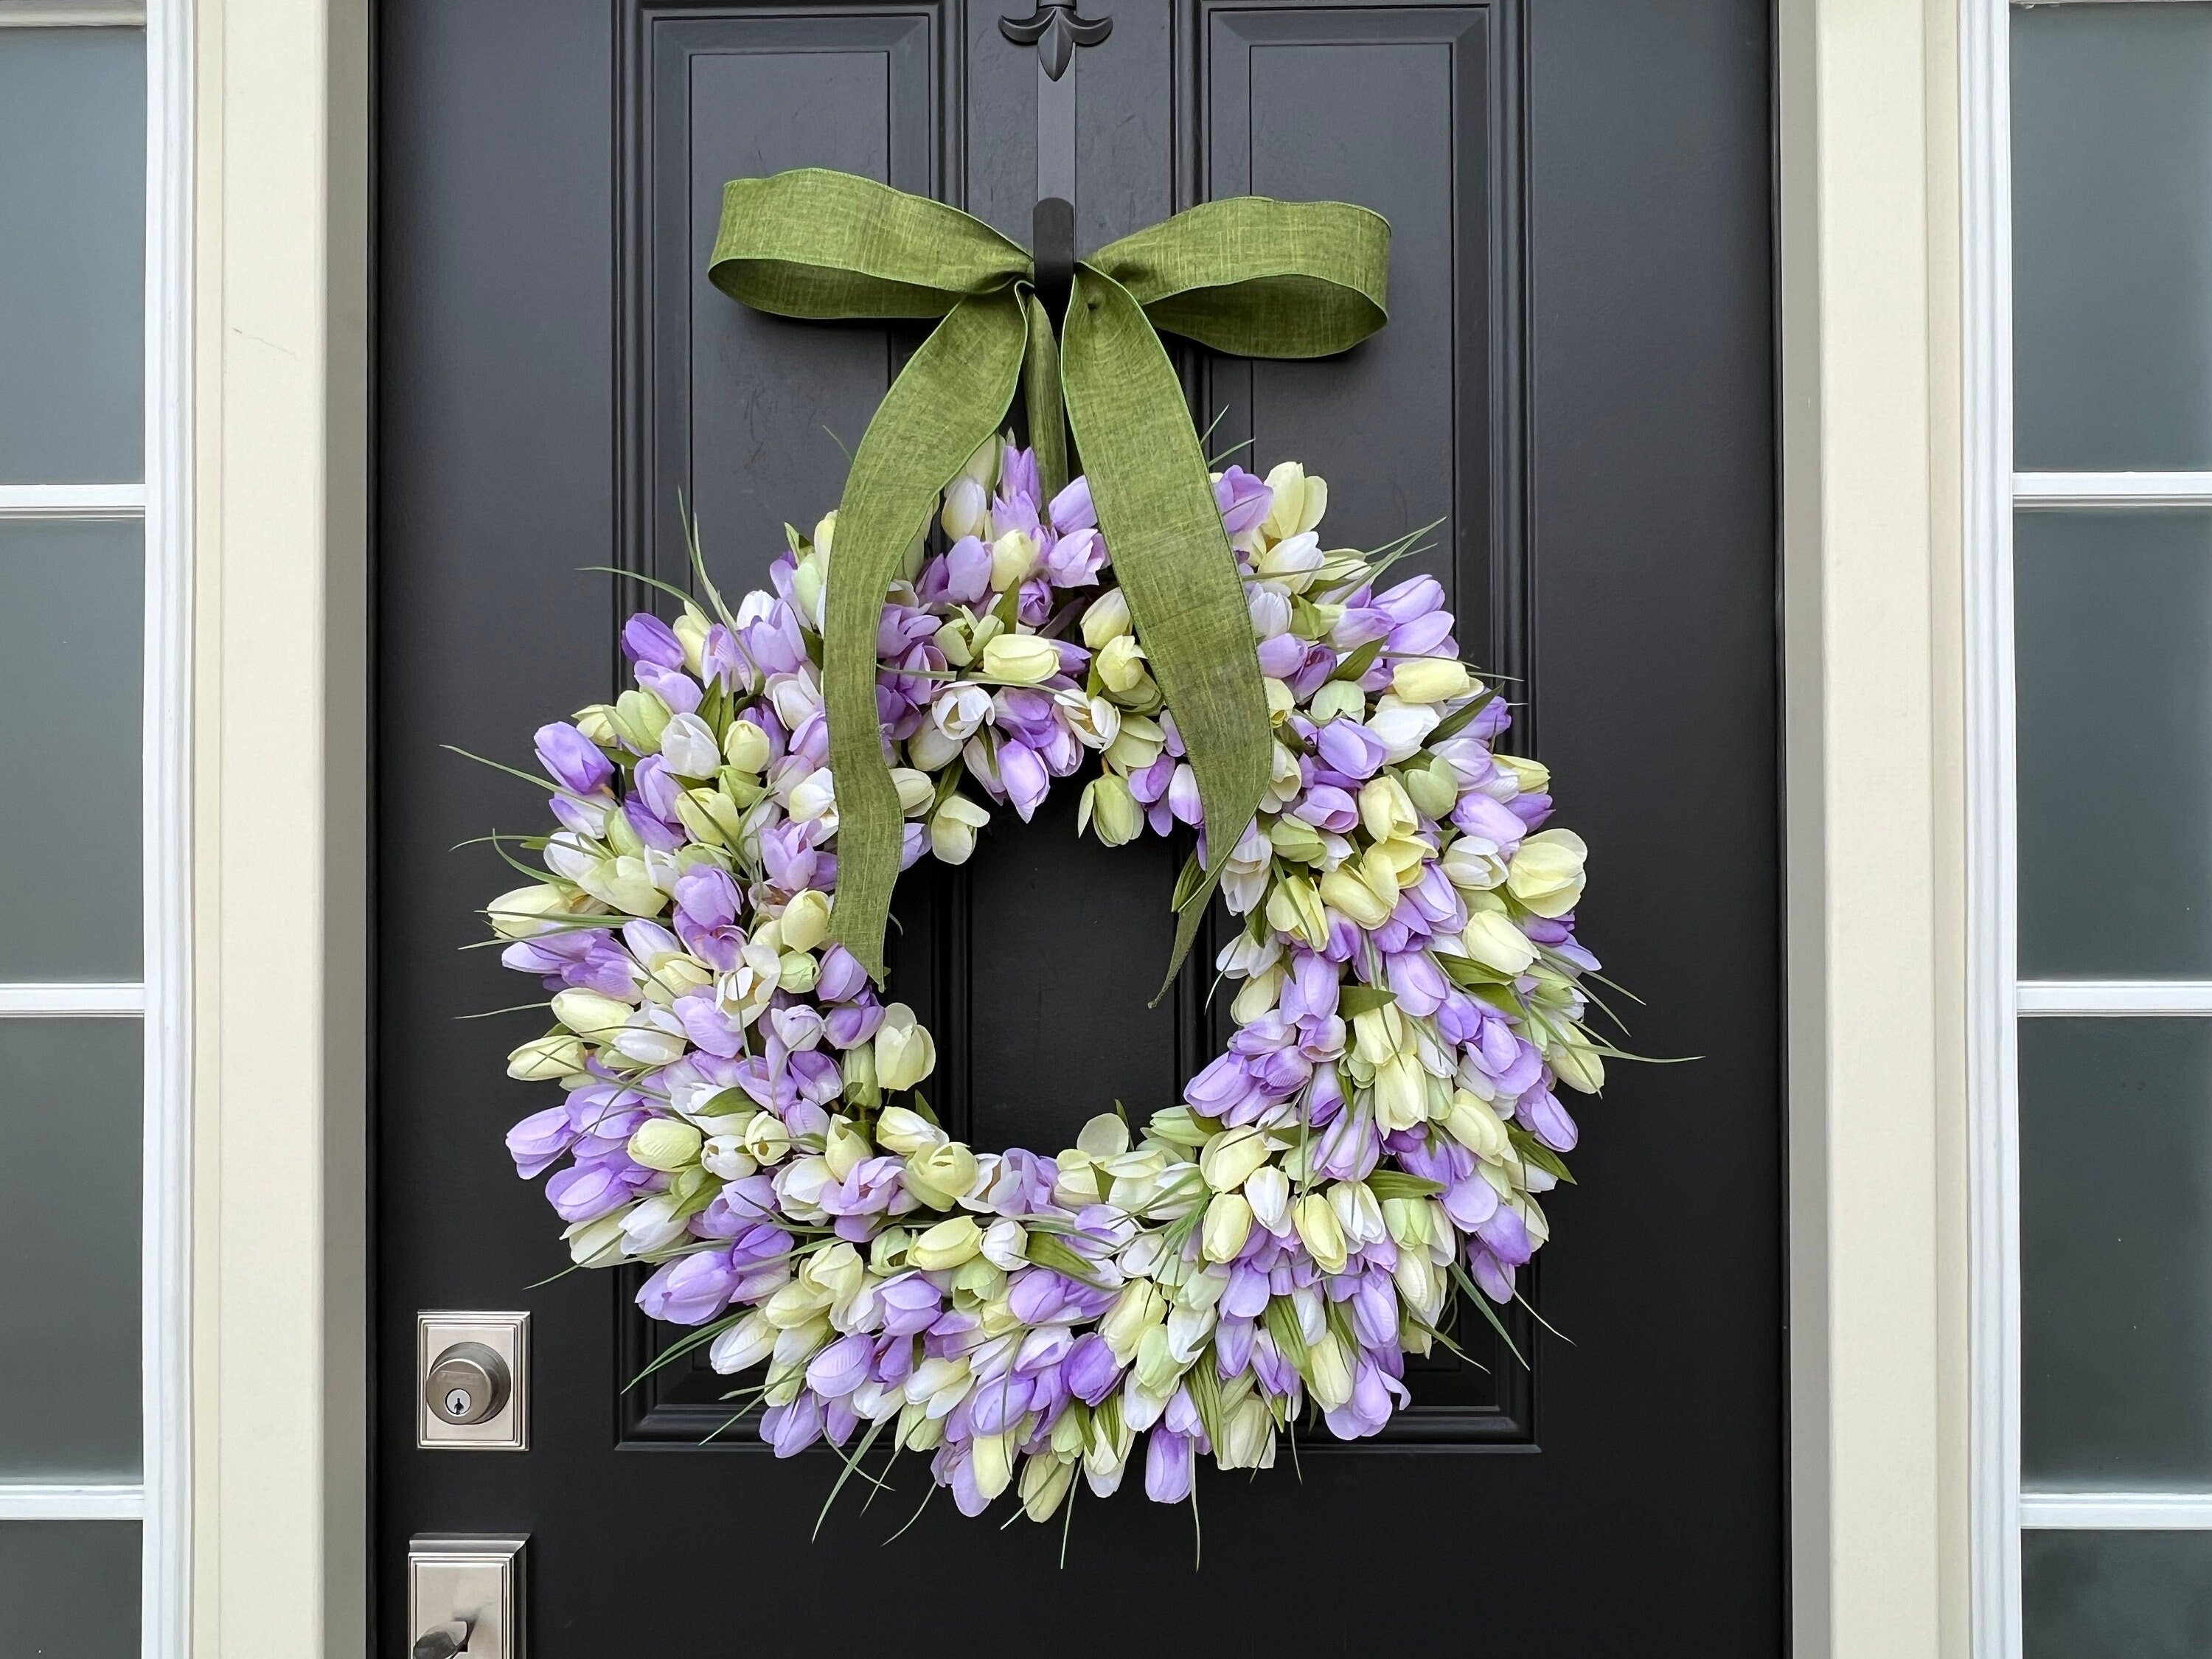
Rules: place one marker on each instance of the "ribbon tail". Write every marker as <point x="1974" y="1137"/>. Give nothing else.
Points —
<point x="1041" y="392"/>
<point x="1155" y="500"/>
<point x="950" y="398"/>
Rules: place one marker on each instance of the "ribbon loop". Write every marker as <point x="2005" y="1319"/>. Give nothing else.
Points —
<point x="1254" y="276"/>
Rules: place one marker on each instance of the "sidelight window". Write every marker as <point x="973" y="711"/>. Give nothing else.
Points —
<point x="2089" y="187"/>
<point x="93" y="947"/>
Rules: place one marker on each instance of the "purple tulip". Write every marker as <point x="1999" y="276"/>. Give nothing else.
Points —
<point x="1410" y="601"/>
<point x="1349" y="748"/>
<point x="1024" y="778"/>
<point x="671" y="685"/>
<point x="690" y="1290"/>
<point x="1547" y="1119"/>
<point x="1244" y="500"/>
<point x="792" y="1429"/>
<point x="1167" y="1466"/>
<point x="539" y="1142"/>
<point x="645" y="638"/>
<point x="1071" y="510"/>
<point x="841" y="1367"/>
<point x="571" y="759"/>
<point x="1090" y="1370"/>
<point x="587" y="1191"/>
<point x="911" y="1304"/>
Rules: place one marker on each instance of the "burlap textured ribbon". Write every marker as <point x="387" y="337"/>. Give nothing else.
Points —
<point x="1257" y="278"/>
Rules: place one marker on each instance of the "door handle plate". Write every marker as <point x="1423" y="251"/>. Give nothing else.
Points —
<point x="471" y="1580"/>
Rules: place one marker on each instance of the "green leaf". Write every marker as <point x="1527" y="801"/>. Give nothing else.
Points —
<point x="1281" y="1319"/>
<point x="1397" y="1183"/>
<point x="1046" y="1251"/>
<point x="1358" y="662"/>
<point x="1457" y="721"/>
<point x="1362" y="1000"/>
<point x="1533" y="1150"/>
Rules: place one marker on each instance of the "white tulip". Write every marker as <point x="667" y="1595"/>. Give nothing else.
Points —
<point x="688" y="745"/>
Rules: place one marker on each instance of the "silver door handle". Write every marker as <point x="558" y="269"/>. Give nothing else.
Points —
<point x="465" y="1596"/>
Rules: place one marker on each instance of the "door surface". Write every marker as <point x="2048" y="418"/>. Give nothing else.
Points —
<point x="1576" y="381"/>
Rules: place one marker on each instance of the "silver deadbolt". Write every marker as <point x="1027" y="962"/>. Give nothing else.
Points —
<point x="472" y="1381"/>
<point x="468" y="1382"/>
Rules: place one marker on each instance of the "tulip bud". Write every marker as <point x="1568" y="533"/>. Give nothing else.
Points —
<point x="1137" y="1310"/>
<point x="1107" y="802"/>
<point x="952" y="830"/>
<point x="942" y="1174"/>
<point x="1402" y="1094"/>
<point x="1013" y="560"/>
<point x="1578" y="1067"/>
<point x="1318" y="1231"/>
<point x="1546" y="873"/>
<point x="665" y="1142"/>
<point x="843" y="1147"/>
<point x="642" y="717"/>
<point x="1121" y="664"/>
<point x="1491" y="939"/>
<point x="905" y="1052"/>
<point x="1343" y="891"/>
<point x="1433" y="788"/>
<point x="798" y="974"/>
<point x="545" y="1059"/>
<point x="1045" y="1481"/>
<point x="915" y="789"/>
<point x="591" y="1015"/>
<point x="967" y="509"/>
<point x="528" y="911"/>
<point x="744" y="745"/>
<point x="1297" y="503"/>
<point x="1228" y="1224"/>
<point x="1021" y="659"/>
<point x="1231" y="1155"/>
<point x="806" y="920"/>
<point x="1247" y="1436"/>
<point x="1533" y="776"/>
<point x="1386" y="810"/>
<point x="1337" y="699"/>
<point x="859" y="1065"/>
<point x="1430" y="679"/>
<point x="1328" y="1371"/>
<point x="991" y="1459"/>
<point x="1268" y="1190"/>
<point x="593" y="721"/>
<point x="946" y="1245"/>
<point x="687" y="743"/>
<point x="1107" y="618"/>
<point x="725" y="1158"/>
<point x="1139" y="743"/>
<point x="1295" y="907"/>
<point x="1472" y="1123"/>
<point x="597" y="1243"/>
<point x="765" y="1137"/>
<point x="901" y="1131"/>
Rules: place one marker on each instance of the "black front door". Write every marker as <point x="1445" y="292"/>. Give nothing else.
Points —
<point x="1577" y="379"/>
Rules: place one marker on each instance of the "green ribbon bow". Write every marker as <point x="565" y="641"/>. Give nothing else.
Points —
<point x="1250" y="276"/>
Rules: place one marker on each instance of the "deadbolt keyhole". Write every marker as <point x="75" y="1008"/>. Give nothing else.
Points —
<point x="468" y="1382"/>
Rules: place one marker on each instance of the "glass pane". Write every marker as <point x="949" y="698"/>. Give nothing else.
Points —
<point x="72" y="263"/>
<point x="2117" y="1594"/>
<point x="2111" y="168"/>
<point x="2114" y="630"/>
<point x="70" y="645"/>
<point x="68" y="1232"/>
<point x="2116" y="1254"/>
<point x="69" y="1588"/>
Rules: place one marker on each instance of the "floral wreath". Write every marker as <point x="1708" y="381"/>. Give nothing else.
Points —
<point x="740" y="1106"/>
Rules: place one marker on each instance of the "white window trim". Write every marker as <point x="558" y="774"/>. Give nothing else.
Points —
<point x="1996" y="998"/>
<point x="160" y="1500"/>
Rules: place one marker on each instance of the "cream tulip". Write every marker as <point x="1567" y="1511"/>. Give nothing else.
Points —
<point x="946" y="1245"/>
<point x="665" y="1142"/>
<point x="1547" y="874"/>
<point x="905" y="1052"/>
<point x="1021" y="659"/>
<point x="1228" y="1224"/>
